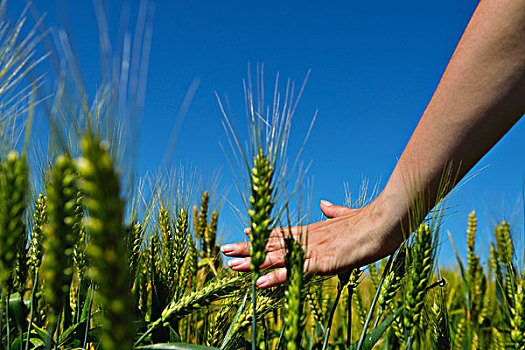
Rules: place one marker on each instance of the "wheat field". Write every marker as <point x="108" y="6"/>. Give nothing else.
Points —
<point x="86" y="263"/>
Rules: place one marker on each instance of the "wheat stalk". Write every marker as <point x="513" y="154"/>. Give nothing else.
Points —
<point x="13" y="187"/>
<point x="180" y="249"/>
<point x="440" y="322"/>
<point x="40" y="221"/>
<point x="294" y="305"/>
<point x="201" y="298"/>
<point x="106" y="248"/>
<point x="422" y="262"/>
<point x="266" y="302"/>
<point x="210" y="235"/>
<point x="517" y="321"/>
<point x="460" y="334"/>
<point x="59" y="245"/>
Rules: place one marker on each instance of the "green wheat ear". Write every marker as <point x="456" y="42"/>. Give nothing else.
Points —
<point x="59" y="245"/>
<point x="37" y="236"/>
<point x="79" y="232"/>
<point x="261" y="203"/>
<point x="180" y="249"/>
<point x="422" y="263"/>
<point x="473" y="259"/>
<point x="13" y="187"/>
<point x="167" y="234"/>
<point x="210" y="236"/>
<point x="106" y="248"/>
<point x="440" y="321"/>
<point x="201" y="220"/>
<point x="189" y="267"/>
<point x="518" y="317"/>
<point x="135" y="242"/>
<point x="393" y="281"/>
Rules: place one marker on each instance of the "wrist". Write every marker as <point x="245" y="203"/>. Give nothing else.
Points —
<point x="391" y="213"/>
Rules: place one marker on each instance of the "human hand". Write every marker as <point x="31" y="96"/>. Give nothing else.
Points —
<point x="349" y="238"/>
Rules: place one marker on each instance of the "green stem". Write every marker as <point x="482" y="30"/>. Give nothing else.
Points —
<point x="78" y="306"/>
<point x="7" y="320"/>
<point x="349" y="315"/>
<point x="57" y="332"/>
<point x="374" y="302"/>
<point x="21" y="326"/>
<point x="378" y="317"/>
<point x="254" y="310"/>
<point x="88" y="319"/>
<point x="331" y="318"/>
<point x="281" y="335"/>
<point x="1" y="316"/>
<point x="31" y="311"/>
<point x="148" y="332"/>
<point x="409" y="343"/>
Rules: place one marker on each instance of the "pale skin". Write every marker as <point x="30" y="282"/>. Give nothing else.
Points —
<point x="480" y="97"/>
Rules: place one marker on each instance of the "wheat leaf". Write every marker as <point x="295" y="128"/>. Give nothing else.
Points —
<point x="372" y="337"/>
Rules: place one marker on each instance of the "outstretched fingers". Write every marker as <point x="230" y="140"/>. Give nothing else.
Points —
<point x="275" y="241"/>
<point x="272" y="279"/>
<point x="278" y="276"/>
<point x="236" y="249"/>
<point x="273" y="259"/>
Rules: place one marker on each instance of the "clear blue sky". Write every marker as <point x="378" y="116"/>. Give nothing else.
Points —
<point x="374" y="68"/>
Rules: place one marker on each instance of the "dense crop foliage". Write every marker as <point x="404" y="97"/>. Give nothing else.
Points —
<point x="83" y="266"/>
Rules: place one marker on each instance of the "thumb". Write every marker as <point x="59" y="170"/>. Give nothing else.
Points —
<point x="333" y="211"/>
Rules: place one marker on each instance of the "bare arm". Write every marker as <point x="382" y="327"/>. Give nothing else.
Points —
<point x="479" y="98"/>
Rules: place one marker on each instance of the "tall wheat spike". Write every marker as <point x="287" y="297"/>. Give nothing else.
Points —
<point x="460" y="334"/>
<point x="261" y="202"/>
<point x="106" y="248"/>
<point x="180" y="249"/>
<point x="359" y="306"/>
<point x="267" y="301"/>
<point x="59" y="246"/>
<point x="78" y="291"/>
<point x="21" y="266"/>
<point x="40" y="221"/>
<point x="167" y="234"/>
<point x="506" y="254"/>
<point x="392" y="281"/>
<point x="13" y="187"/>
<point x="312" y="296"/>
<point x="219" y="324"/>
<point x="372" y="269"/>
<point x="210" y="235"/>
<point x="261" y="205"/>
<point x="202" y="219"/>
<point x="137" y="236"/>
<point x="473" y="259"/>
<point x="496" y="266"/>
<point x="422" y="263"/>
<point x="144" y="284"/>
<point x="189" y="268"/>
<point x="499" y="342"/>
<point x="517" y="321"/>
<point x="440" y="322"/>
<point x="201" y="298"/>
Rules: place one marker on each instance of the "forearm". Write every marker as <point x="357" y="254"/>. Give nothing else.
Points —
<point x="479" y="98"/>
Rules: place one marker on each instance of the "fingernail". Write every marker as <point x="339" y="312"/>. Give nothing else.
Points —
<point x="327" y="203"/>
<point x="262" y="281"/>
<point x="235" y="262"/>
<point x="227" y="248"/>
